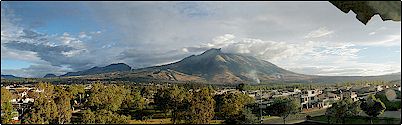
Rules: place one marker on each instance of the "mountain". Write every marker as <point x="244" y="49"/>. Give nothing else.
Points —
<point x="99" y="70"/>
<point x="49" y="76"/>
<point x="8" y="76"/>
<point x="215" y="66"/>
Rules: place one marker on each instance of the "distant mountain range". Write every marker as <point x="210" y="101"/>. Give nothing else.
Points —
<point x="214" y="66"/>
<point x="8" y="76"/>
<point x="99" y="70"/>
<point x="49" y="76"/>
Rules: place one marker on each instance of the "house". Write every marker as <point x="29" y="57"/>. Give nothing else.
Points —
<point x="309" y="98"/>
<point x="350" y="94"/>
<point x="379" y="88"/>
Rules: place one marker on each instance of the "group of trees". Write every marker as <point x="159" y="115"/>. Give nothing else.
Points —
<point x="186" y="106"/>
<point x="105" y="101"/>
<point x="284" y="107"/>
<point x="51" y="106"/>
<point x="6" y="106"/>
<point x="119" y="103"/>
<point x="392" y="105"/>
<point x="55" y="104"/>
<point x="372" y="107"/>
<point x="347" y="108"/>
<point x="234" y="108"/>
<point x="342" y="110"/>
<point x="200" y="106"/>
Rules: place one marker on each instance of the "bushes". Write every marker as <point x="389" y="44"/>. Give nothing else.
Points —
<point x="390" y="105"/>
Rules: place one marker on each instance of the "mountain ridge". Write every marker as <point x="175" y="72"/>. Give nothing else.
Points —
<point x="98" y="70"/>
<point x="215" y="66"/>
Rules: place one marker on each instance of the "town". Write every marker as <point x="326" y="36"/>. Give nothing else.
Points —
<point x="309" y="98"/>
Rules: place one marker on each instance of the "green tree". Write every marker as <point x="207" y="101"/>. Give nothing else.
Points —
<point x="344" y="109"/>
<point x="162" y="99"/>
<point x="146" y="91"/>
<point x="372" y="107"/>
<point x="231" y="104"/>
<point x="133" y="100"/>
<point x="201" y="109"/>
<point x="62" y="100"/>
<point x="44" y="110"/>
<point x="179" y="99"/>
<point x="285" y="106"/>
<point x="88" y="117"/>
<point x="76" y="90"/>
<point x="247" y="117"/>
<point x="106" y="97"/>
<point x="103" y="117"/>
<point x="240" y="87"/>
<point x="391" y="105"/>
<point x="244" y="117"/>
<point x="6" y="106"/>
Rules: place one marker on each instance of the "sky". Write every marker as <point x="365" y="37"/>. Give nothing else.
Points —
<point x="313" y="38"/>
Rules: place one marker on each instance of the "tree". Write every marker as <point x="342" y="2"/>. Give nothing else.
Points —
<point x="133" y="100"/>
<point x="372" y="107"/>
<point x="231" y="104"/>
<point x="88" y="117"/>
<point x="62" y="100"/>
<point x="240" y="87"/>
<point x="106" y="97"/>
<point x="179" y="100"/>
<point x="146" y="91"/>
<point x="162" y="99"/>
<point x="44" y="109"/>
<point x="343" y="109"/>
<point x="245" y="117"/>
<point x="6" y="106"/>
<point x="103" y="117"/>
<point x="285" y="106"/>
<point x="391" y="105"/>
<point x="75" y="90"/>
<point x="201" y="109"/>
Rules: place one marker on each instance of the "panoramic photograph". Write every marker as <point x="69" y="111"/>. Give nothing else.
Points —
<point x="200" y="62"/>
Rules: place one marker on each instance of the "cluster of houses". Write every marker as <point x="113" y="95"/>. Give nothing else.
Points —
<point x="309" y="99"/>
<point x="23" y="98"/>
<point x="314" y="98"/>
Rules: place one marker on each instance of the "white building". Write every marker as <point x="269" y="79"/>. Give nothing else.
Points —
<point x="379" y="88"/>
<point x="309" y="98"/>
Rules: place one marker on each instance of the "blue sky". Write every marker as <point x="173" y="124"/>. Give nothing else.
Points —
<point x="307" y="37"/>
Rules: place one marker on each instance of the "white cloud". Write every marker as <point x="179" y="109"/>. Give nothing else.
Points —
<point x="321" y="32"/>
<point x="83" y="35"/>
<point x="309" y="57"/>
<point x="297" y="36"/>
<point x="387" y="40"/>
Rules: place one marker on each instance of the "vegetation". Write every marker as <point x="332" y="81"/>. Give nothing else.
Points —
<point x="390" y="105"/>
<point x="201" y="109"/>
<point x="285" y="106"/>
<point x="360" y="120"/>
<point x="6" y="106"/>
<point x="343" y="109"/>
<point x="372" y="107"/>
<point x="190" y="103"/>
<point x="230" y="106"/>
